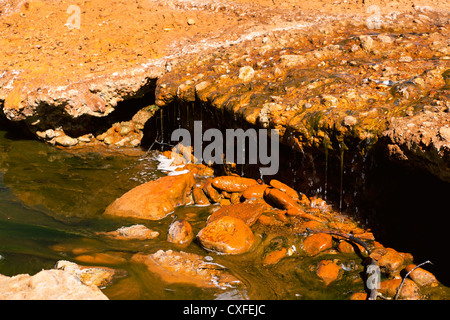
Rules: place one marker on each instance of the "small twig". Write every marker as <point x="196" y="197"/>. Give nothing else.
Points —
<point x="406" y="276"/>
<point x="149" y="149"/>
<point x="373" y="293"/>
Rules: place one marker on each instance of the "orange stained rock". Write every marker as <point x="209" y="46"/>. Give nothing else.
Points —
<point x="180" y="232"/>
<point x="255" y="191"/>
<point x="249" y="212"/>
<point x="183" y="267"/>
<point x="297" y="211"/>
<point x="316" y="243"/>
<point x="101" y="258"/>
<point x="153" y="200"/>
<point x="199" y="196"/>
<point x="409" y="290"/>
<point x="235" y="197"/>
<point x="389" y="260"/>
<point x="328" y="271"/>
<point x="274" y="256"/>
<point x="285" y="188"/>
<point x="421" y="276"/>
<point x="233" y="183"/>
<point x="358" y="296"/>
<point x="227" y="235"/>
<point x="280" y="199"/>
<point x="349" y="247"/>
<point x="210" y="191"/>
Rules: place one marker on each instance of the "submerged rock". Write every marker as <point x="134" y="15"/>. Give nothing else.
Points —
<point x="134" y="232"/>
<point x="389" y="260"/>
<point x="409" y="290"/>
<point x="182" y="267"/>
<point x="153" y="200"/>
<point x="328" y="271"/>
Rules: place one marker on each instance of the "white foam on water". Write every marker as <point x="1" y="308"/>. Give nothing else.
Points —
<point x="165" y="165"/>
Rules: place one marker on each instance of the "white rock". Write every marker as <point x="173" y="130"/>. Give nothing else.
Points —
<point x="246" y="73"/>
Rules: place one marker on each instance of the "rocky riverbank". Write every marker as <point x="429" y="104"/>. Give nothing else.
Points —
<point x="271" y="224"/>
<point x="331" y="78"/>
<point x="342" y="77"/>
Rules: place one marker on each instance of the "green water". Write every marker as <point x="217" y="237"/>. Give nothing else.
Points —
<point x="51" y="205"/>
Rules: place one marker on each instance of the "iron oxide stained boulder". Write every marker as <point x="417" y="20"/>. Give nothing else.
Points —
<point x="153" y="200"/>
<point x="249" y="212"/>
<point x="227" y="235"/>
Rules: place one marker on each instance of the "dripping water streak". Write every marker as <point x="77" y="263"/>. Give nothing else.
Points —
<point x="342" y="179"/>
<point x="326" y="173"/>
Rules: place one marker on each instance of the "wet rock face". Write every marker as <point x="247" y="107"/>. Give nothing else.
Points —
<point x="423" y="138"/>
<point x="232" y="183"/>
<point x="153" y="200"/>
<point x="330" y="90"/>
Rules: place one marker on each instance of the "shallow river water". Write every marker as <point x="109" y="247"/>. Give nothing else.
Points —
<point x="51" y="205"/>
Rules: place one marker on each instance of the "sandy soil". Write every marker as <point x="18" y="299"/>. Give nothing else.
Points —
<point x="40" y="40"/>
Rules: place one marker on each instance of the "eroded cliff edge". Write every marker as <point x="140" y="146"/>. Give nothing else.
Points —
<point x="327" y="76"/>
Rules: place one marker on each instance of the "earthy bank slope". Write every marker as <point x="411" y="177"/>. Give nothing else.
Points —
<point x="324" y="72"/>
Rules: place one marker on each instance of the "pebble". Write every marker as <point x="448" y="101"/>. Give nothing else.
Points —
<point x="405" y="59"/>
<point x="180" y="232"/>
<point x="246" y="73"/>
<point x="66" y="141"/>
